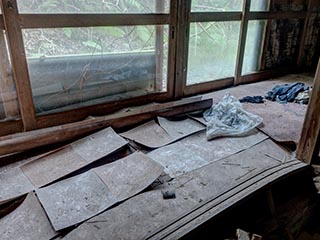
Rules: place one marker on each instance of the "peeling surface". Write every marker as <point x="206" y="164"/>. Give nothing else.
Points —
<point x="153" y="135"/>
<point x="75" y="199"/>
<point x="98" y="145"/>
<point x="58" y="164"/>
<point x="27" y="222"/>
<point x="13" y="183"/>
<point x="195" y="151"/>
<point x="130" y="175"/>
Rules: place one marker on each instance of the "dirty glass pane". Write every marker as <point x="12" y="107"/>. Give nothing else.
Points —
<point x="216" y="5"/>
<point x="259" y="5"/>
<point x="72" y="67"/>
<point x="9" y="108"/>
<point x="253" y="46"/>
<point x="212" y="51"/>
<point x="93" y="6"/>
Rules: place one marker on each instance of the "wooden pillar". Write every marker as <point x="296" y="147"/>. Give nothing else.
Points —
<point x="7" y="88"/>
<point x="308" y="146"/>
<point x="242" y="41"/>
<point x="19" y="63"/>
<point x="159" y="49"/>
<point x="304" y="35"/>
<point x="182" y="47"/>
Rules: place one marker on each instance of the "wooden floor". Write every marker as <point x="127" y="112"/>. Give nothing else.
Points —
<point x="206" y="177"/>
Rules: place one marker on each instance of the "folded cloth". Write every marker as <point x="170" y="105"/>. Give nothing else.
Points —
<point x="254" y="99"/>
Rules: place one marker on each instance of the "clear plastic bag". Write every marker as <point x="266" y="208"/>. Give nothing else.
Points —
<point x="228" y="118"/>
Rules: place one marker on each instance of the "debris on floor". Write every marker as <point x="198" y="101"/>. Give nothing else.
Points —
<point x="254" y="99"/>
<point x="287" y="92"/>
<point x="228" y="118"/>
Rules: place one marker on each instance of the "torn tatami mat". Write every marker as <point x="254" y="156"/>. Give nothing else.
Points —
<point x="219" y="181"/>
<point x="74" y="200"/>
<point x="73" y="157"/>
<point x="195" y="151"/>
<point x="27" y="222"/>
<point x="153" y="135"/>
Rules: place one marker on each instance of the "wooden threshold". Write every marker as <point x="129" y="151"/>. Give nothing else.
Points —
<point x="32" y="139"/>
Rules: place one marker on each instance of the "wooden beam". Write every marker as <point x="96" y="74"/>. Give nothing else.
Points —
<point x="29" y="140"/>
<point x="242" y="41"/>
<point x="208" y="86"/>
<point x="276" y="15"/>
<point x="19" y="63"/>
<point x="307" y="147"/>
<point x="182" y="47"/>
<point x="7" y="87"/>
<point x="215" y="16"/>
<point x="158" y="85"/>
<point x="172" y="43"/>
<point x="91" y="20"/>
<point x="304" y="34"/>
<point x="1" y="22"/>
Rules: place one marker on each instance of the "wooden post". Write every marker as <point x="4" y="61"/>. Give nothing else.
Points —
<point x="182" y="47"/>
<point x="242" y="41"/>
<point x="159" y="49"/>
<point x="19" y="63"/>
<point x="7" y="88"/>
<point x="304" y="35"/>
<point x="308" y="146"/>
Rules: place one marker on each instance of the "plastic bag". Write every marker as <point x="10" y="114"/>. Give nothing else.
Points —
<point x="228" y="118"/>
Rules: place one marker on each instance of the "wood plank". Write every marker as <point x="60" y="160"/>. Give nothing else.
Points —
<point x="182" y="48"/>
<point x="276" y="15"/>
<point x="215" y="16"/>
<point x="7" y="87"/>
<point x="304" y="34"/>
<point x="242" y="41"/>
<point x="209" y="213"/>
<point x="208" y="86"/>
<point x="54" y="118"/>
<point x="10" y="127"/>
<point x="1" y="22"/>
<point x="159" y="50"/>
<point x="307" y="147"/>
<point x="174" y="9"/>
<point x="24" y="141"/>
<point x="91" y="20"/>
<point x="19" y="63"/>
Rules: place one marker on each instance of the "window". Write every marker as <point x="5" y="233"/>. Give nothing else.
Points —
<point x="72" y="59"/>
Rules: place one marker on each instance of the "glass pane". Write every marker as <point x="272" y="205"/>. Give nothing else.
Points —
<point x="212" y="51"/>
<point x="83" y="66"/>
<point x="93" y="6"/>
<point x="9" y="107"/>
<point x="259" y="5"/>
<point x="253" y="46"/>
<point x="216" y="5"/>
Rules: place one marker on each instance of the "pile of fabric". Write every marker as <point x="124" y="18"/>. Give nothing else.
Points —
<point x="295" y="92"/>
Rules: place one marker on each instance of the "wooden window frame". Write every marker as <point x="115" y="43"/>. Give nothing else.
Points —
<point x="178" y="20"/>
<point x="243" y="17"/>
